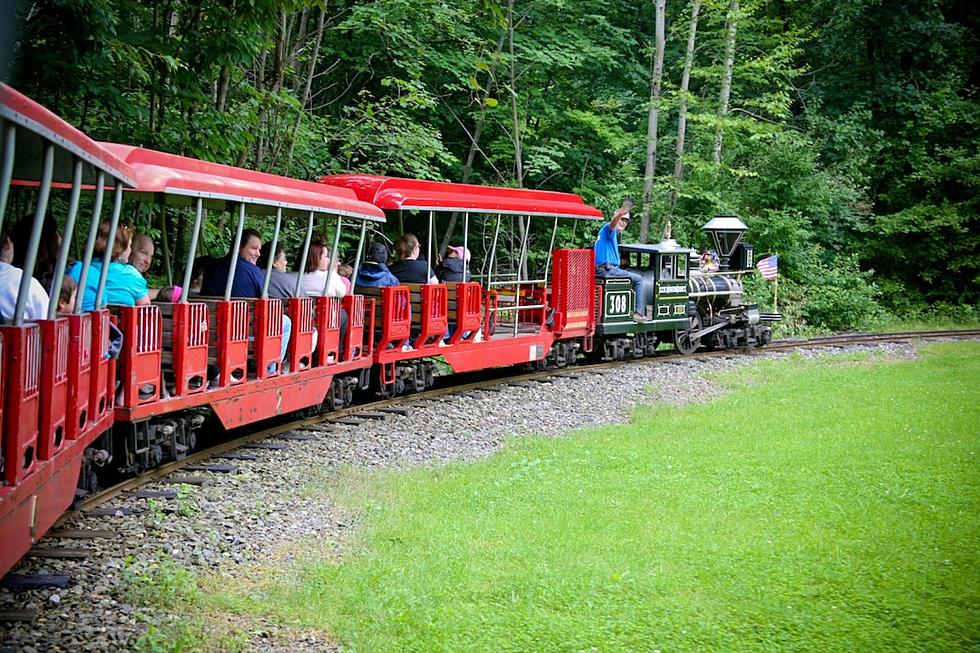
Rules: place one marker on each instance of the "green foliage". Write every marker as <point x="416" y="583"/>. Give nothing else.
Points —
<point x="853" y="126"/>
<point x="849" y="528"/>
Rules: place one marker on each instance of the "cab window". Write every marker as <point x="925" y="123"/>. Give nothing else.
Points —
<point x="666" y="267"/>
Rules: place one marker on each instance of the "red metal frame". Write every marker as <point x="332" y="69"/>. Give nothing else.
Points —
<point x="232" y="341"/>
<point x="21" y="400"/>
<point x="396" y="318"/>
<point x="55" y="342"/>
<point x="102" y="375"/>
<point x="434" y="307"/>
<point x="190" y="348"/>
<point x="328" y="330"/>
<point x="357" y="307"/>
<point x="141" y="356"/>
<point x="573" y="292"/>
<point x="303" y="313"/>
<point x="79" y="374"/>
<point x="267" y="341"/>
<point x="468" y="312"/>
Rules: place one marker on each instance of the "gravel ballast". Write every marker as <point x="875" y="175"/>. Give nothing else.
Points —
<point x="270" y="507"/>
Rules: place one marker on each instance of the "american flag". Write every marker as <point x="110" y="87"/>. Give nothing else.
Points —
<point x="768" y="267"/>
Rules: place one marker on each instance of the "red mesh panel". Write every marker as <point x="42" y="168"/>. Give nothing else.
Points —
<point x="54" y="386"/>
<point x="190" y="348"/>
<point x="231" y="346"/>
<point x="573" y="290"/>
<point x="102" y="378"/>
<point x="468" y="311"/>
<point x="22" y="362"/>
<point x="356" y="309"/>
<point x="79" y="373"/>
<point x="140" y="360"/>
<point x="268" y="337"/>
<point x="435" y="321"/>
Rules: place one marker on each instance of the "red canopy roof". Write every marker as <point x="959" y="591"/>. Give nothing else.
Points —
<point x="38" y="123"/>
<point x="159" y="172"/>
<point x="399" y="193"/>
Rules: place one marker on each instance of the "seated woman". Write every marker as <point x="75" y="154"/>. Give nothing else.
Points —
<point x="409" y="268"/>
<point x="451" y="268"/>
<point x="318" y="272"/>
<point x="282" y="284"/>
<point x="124" y="285"/>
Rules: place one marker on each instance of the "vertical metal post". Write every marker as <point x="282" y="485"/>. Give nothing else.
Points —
<point x="7" y="169"/>
<point x="192" y="252"/>
<point x="110" y="243"/>
<point x="428" y="247"/>
<point x="164" y="239"/>
<point x="233" y="263"/>
<point x="335" y="255"/>
<point x="547" y="263"/>
<point x="93" y="234"/>
<point x="272" y="253"/>
<point x="62" y="262"/>
<point x="304" y="256"/>
<point x="30" y="256"/>
<point x="493" y="252"/>
<point x="360" y="250"/>
<point x="466" y="240"/>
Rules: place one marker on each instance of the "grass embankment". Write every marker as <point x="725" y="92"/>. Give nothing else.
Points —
<point x="817" y="506"/>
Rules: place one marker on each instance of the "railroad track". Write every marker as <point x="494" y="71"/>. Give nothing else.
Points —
<point x="389" y="405"/>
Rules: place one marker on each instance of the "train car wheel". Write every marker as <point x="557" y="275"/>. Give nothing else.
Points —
<point x="682" y="338"/>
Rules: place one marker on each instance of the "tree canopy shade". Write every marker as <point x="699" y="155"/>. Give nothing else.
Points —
<point x="844" y="133"/>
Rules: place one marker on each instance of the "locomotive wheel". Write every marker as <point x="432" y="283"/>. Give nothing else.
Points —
<point x="683" y="341"/>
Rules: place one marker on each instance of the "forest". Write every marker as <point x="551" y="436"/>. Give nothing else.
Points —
<point x="844" y="133"/>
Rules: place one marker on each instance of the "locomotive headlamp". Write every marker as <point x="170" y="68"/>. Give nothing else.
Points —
<point x="726" y="232"/>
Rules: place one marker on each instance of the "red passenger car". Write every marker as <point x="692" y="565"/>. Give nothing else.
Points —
<point x="55" y="377"/>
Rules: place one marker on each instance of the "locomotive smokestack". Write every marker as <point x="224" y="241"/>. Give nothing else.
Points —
<point x="726" y="232"/>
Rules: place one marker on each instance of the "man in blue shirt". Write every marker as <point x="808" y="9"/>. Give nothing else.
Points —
<point x="607" y="258"/>
<point x="248" y="277"/>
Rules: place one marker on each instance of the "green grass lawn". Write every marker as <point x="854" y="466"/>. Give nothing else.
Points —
<point x="817" y="506"/>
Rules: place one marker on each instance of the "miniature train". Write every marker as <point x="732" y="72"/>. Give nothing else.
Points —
<point x="75" y="397"/>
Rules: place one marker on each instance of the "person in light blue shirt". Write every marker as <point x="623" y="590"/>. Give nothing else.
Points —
<point x="607" y="258"/>
<point x="124" y="285"/>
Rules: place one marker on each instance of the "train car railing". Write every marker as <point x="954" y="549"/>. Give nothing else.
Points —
<point x="231" y="346"/>
<point x="55" y="342"/>
<point x="141" y="357"/>
<point x="267" y="341"/>
<point x="102" y="379"/>
<point x="573" y="292"/>
<point x="429" y="314"/>
<point x="328" y="330"/>
<point x="466" y="305"/>
<point x="22" y="353"/>
<point x="512" y="301"/>
<point x="79" y="374"/>
<point x="189" y="346"/>
<point x="358" y="343"/>
<point x="302" y="311"/>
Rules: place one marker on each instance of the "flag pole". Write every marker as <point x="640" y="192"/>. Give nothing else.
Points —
<point x="775" y="294"/>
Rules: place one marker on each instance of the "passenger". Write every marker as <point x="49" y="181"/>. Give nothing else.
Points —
<point x="450" y="270"/>
<point x="346" y="272"/>
<point x="201" y="265"/>
<point x="409" y="268"/>
<point x="374" y="273"/>
<point x="124" y="285"/>
<point x="248" y="277"/>
<point x="169" y="294"/>
<point x="607" y="258"/>
<point x="69" y="292"/>
<point x="36" y="307"/>
<point x="282" y="284"/>
<point x="318" y="272"/>
<point x="47" y="249"/>
<point x="141" y="257"/>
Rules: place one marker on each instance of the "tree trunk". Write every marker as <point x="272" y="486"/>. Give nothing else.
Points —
<point x="474" y="145"/>
<point x="310" y="71"/>
<point x="653" y="119"/>
<point x="518" y="162"/>
<point x="726" y="80"/>
<point x="682" y="110"/>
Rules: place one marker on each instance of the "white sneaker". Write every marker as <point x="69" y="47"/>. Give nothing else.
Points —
<point x="407" y="347"/>
<point x="478" y="337"/>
